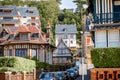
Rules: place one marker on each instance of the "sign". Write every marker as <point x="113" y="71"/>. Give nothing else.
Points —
<point x="82" y="69"/>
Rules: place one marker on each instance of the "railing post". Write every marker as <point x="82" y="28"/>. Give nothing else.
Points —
<point x="24" y="75"/>
<point x="8" y="75"/>
<point x="34" y="74"/>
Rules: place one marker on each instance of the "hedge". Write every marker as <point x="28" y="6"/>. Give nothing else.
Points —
<point x="16" y="64"/>
<point x="106" y="57"/>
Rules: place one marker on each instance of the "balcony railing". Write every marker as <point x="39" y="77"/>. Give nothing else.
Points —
<point x="107" y="18"/>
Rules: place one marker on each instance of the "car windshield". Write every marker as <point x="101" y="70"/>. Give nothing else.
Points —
<point x="47" y="75"/>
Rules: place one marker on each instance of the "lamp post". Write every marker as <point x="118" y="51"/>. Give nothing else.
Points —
<point x="83" y="65"/>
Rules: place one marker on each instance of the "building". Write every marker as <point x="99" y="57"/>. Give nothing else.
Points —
<point x="67" y="33"/>
<point x="62" y="54"/>
<point x="105" y="26"/>
<point x="19" y="16"/>
<point x="25" y="42"/>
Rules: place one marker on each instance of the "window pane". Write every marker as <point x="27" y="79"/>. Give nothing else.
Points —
<point x="24" y="36"/>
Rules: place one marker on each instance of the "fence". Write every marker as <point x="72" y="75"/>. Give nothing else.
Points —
<point x="105" y="74"/>
<point x="18" y="76"/>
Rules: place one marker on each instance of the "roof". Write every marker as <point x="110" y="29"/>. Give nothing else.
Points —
<point x="28" y="11"/>
<point x="13" y="13"/>
<point x="65" y="28"/>
<point x="24" y="11"/>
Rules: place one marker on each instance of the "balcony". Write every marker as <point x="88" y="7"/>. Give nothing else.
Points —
<point x="107" y="18"/>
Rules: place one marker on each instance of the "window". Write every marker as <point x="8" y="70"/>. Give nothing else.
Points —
<point x="3" y="25"/>
<point x="10" y="52"/>
<point x="71" y="42"/>
<point x="34" y="53"/>
<point x="21" y="52"/>
<point x="24" y="36"/>
<point x="65" y="36"/>
<point x="33" y="18"/>
<point x="1" y="51"/>
<point x="7" y="17"/>
<point x="1" y="10"/>
<point x="36" y="35"/>
<point x="32" y="23"/>
<point x="66" y="42"/>
<point x="11" y="36"/>
<point x="71" y="36"/>
<point x="7" y="11"/>
<point x="4" y="34"/>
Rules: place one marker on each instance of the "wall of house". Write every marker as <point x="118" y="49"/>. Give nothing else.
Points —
<point x="69" y="41"/>
<point x="107" y="38"/>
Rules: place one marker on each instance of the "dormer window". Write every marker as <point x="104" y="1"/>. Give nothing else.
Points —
<point x="24" y="36"/>
<point x="7" y="11"/>
<point x="4" y="34"/>
<point x="11" y="36"/>
<point x="29" y="11"/>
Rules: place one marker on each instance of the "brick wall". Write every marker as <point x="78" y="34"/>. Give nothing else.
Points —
<point x="105" y="74"/>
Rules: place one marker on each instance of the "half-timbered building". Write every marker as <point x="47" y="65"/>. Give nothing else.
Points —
<point x="25" y="41"/>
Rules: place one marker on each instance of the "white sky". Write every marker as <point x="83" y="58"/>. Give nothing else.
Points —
<point x="68" y="4"/>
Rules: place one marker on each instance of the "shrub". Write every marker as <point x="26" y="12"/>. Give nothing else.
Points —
<point x="106" y="57"/>
<point x="16" y="64"/>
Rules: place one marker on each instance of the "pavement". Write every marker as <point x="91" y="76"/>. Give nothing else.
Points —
<point x="86" y="77"/>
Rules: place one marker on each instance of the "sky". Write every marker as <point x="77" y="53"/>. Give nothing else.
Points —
<point x="68" y="4"/>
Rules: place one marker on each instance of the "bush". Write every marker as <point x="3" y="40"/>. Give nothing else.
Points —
<point x="42" y="65"/>
<point x="16" y="64"/>
<point x="106" y="57"/>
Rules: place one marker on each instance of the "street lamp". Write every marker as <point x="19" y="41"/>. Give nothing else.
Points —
<point x="83" y="69"/>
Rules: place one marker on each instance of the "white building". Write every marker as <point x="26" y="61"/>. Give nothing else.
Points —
<point x="14" y="16"/>
<point x="67" y="33"/>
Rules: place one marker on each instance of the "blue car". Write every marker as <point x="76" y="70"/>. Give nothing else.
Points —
<point x="59" y="75"/>
<point x="47" y="76"/>
<point x="71" y="73"/>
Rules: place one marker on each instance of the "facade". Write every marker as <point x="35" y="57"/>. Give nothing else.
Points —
<point x="103" y="23"/>
<point x="67" y="33"/>
<point x="25" y="42"/>
<point x="19" y="16"/>
<point x="62" y="54"/>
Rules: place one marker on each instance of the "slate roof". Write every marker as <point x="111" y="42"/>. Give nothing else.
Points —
<point x="65" y="28"/>
<point x="13" y="13"/>
<point x="24" y="11"/>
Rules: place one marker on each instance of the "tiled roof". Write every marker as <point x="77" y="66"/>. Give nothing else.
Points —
<point x="65" y="28"/>
<point x="34" y="29"/>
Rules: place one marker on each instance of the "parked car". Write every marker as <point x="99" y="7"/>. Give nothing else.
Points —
<point x="47" y="76"/>
<point x="71" y="73"/>
<point x="76" y="70"/>
<point x="59" y="75"/>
